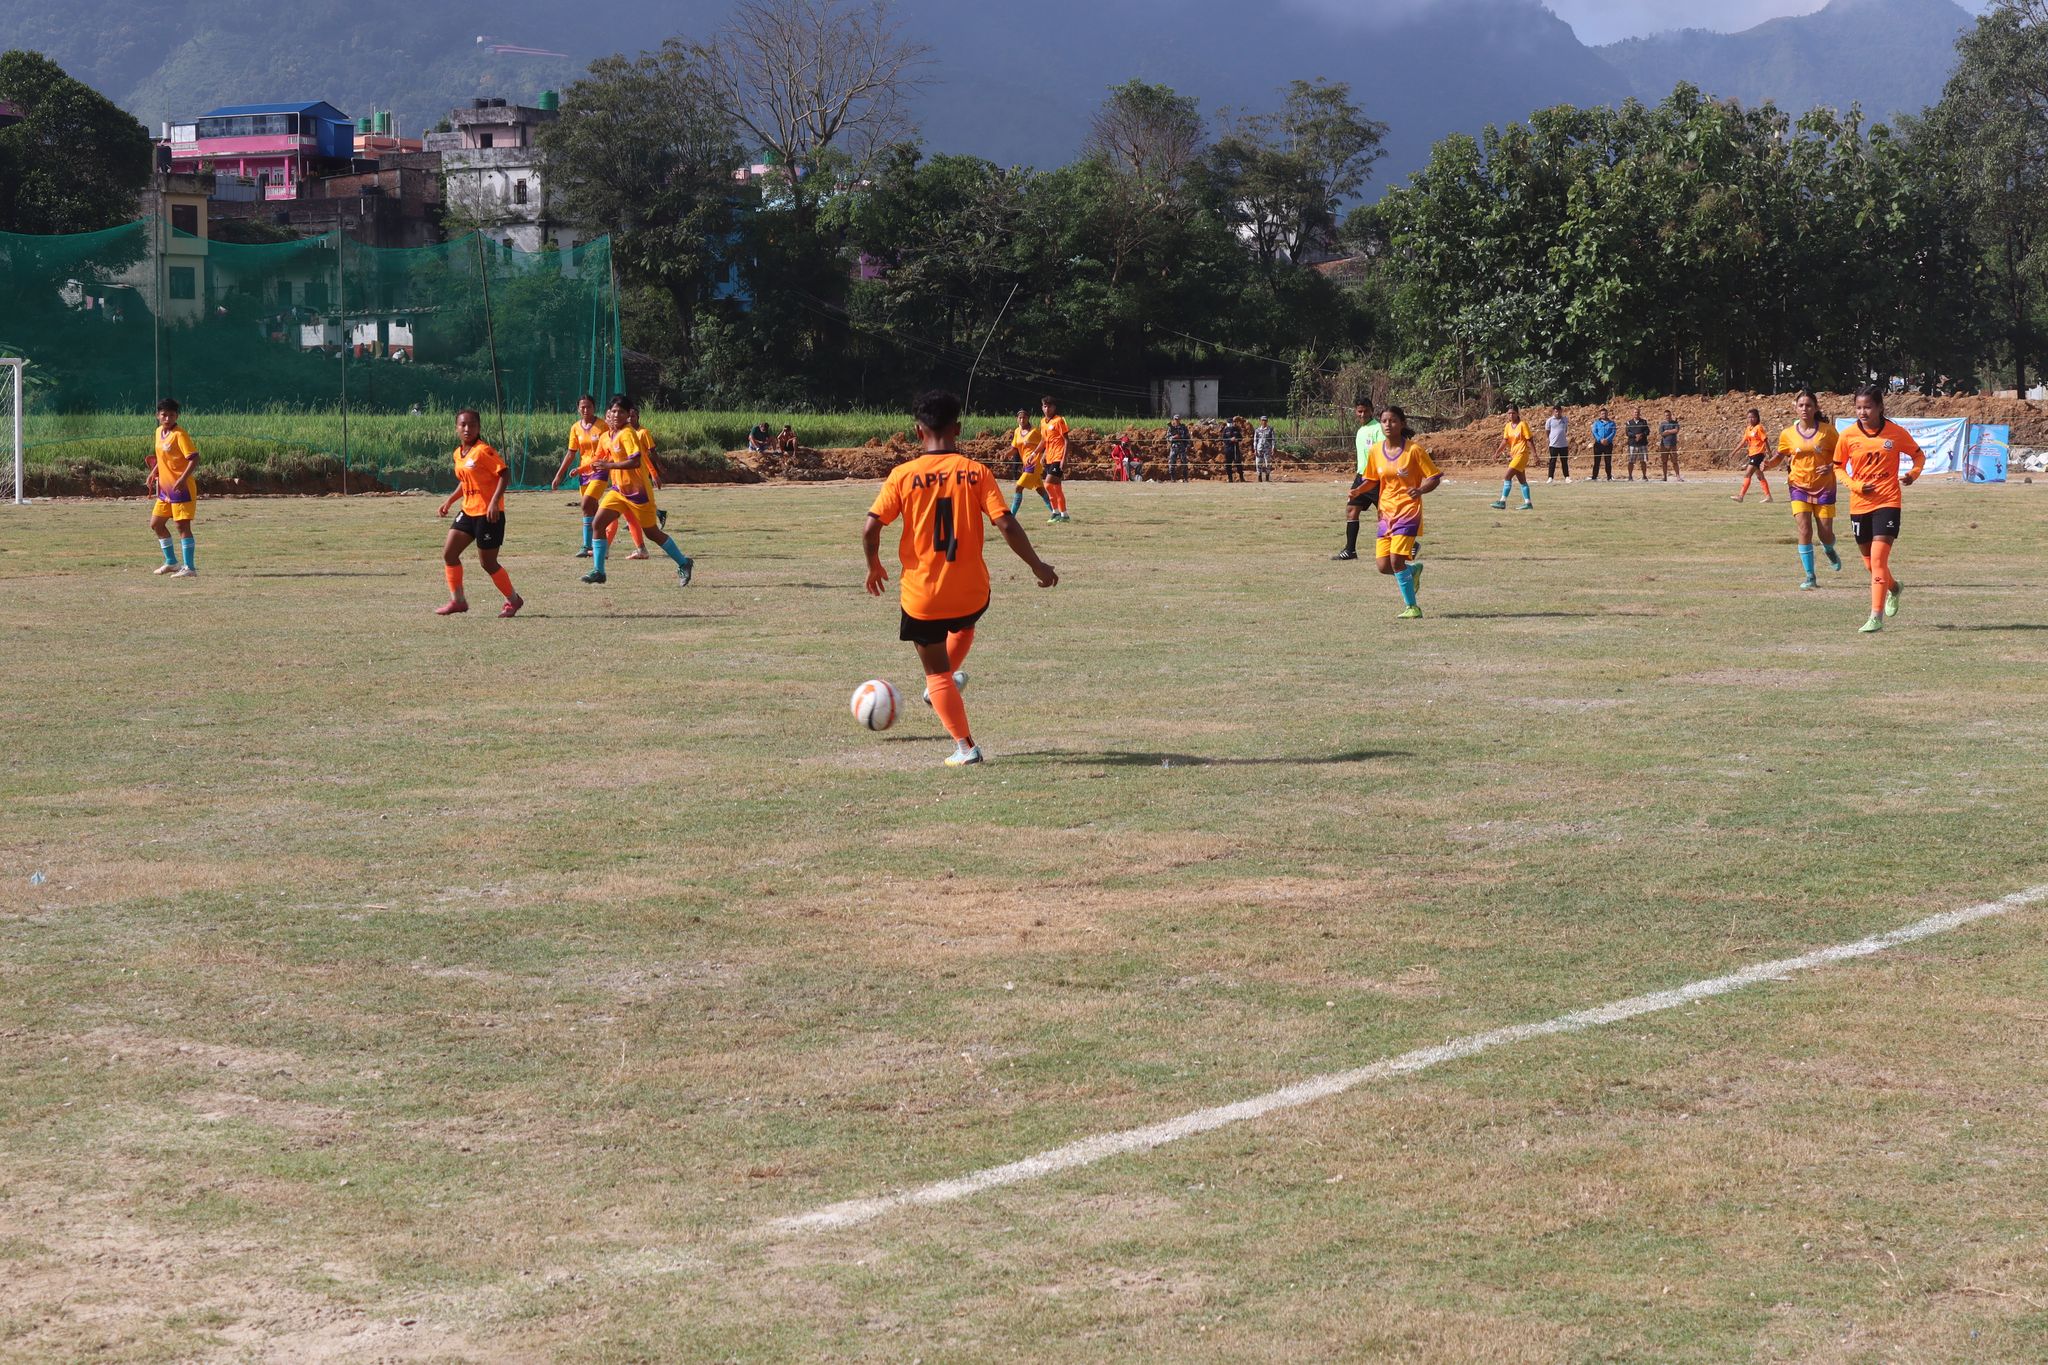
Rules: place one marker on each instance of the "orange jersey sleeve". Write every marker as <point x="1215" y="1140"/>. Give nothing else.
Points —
<point x="478" y="470"/>
<point x="941" y="501"/>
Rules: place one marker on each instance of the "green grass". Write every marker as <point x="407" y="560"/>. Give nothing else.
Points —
<point x="473" y="989"/>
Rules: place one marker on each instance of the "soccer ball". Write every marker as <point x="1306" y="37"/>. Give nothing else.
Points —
<point x="874" y="704"/>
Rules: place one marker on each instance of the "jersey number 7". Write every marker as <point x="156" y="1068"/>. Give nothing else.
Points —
<point x="944" y="540"/>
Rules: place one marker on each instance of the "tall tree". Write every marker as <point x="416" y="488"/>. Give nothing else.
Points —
<point x="645" y="151"/>
<point x="1283" y="176"/>
<point x="815" y="82"/>
<point x="76" y="162"/>
<point x="1146" y="138"/>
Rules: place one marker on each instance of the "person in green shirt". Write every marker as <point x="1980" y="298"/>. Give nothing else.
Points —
<point x="1362" y="494"/>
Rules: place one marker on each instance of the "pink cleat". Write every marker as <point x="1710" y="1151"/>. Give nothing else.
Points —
<point x="511" y="608"/>
<point x="454" y="608"/>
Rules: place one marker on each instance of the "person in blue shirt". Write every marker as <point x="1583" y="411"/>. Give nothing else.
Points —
<point x="1603" y="445"/>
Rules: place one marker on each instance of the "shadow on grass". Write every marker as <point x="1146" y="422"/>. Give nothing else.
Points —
<point x="2016" y="625"/>
<point x="1130" y="758"/>
<point x="327" y="573"/>
<point x="1531" y="615"/>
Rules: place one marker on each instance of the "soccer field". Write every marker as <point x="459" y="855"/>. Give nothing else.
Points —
<point x="380" y="986"/>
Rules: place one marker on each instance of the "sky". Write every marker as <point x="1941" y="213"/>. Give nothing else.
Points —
<point x="1607" y="21"/>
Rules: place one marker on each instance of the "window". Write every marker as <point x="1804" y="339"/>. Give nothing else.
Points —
<point x="185" y="219"/>
<point x="184" y="282"/>
<point x="484" y="139"/>
<point x="519" y="191"/>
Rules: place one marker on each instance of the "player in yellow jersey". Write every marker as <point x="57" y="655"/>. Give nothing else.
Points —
<point x="1807" y="448"/>
<point x="583" y="439"/>
<point x="1403" y="473"/>
<point x="629" y="492"/>
<point x="941" y="498"/>
<point x="1053" y="430"/>
<point x="1028" y="443"/>
<point x="170" y="479"/>
<point x="1517" y="444"/>
<point x="653" y="481"/>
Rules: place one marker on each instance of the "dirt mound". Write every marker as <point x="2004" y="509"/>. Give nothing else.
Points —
<point x="1711" y="427"/>
<point x="1087" y="457"/>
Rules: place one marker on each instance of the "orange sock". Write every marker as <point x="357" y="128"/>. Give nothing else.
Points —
<point x="611" y="533"/>
<point x="1059" y="497"/>
<point x="1881" y="580"/>
<point x="946" y="702"/>
<point x="957" y="645"/>
<point x="453" y="573"/>
<point x="504" y="581"/>
<point x="639" y="539"/>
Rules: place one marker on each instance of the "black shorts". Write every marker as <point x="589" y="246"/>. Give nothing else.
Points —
<point x="1756" y="464"/>
<point x="919" y="631"/>
<point x="1054" y="473"/>
<point x="1878" y="521"/>
<point x="1363" y="494"/>
<point x="487" y="534"/>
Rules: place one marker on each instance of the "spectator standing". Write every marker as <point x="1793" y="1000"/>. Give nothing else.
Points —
<point x="1233" y="452"/>
<point x="1667" y="448"/>
<point x="1638" y="434"/>
<point x="1559" y="433"/>
<point x="1603" y="445"/>
<point x="1262" y="450"/>
<point x="1180" y="443"/>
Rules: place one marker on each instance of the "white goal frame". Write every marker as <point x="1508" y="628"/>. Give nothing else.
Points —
<point x="19" y="472"/>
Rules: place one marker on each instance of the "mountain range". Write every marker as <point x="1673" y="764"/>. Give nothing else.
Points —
<point x="1012" y="82"/>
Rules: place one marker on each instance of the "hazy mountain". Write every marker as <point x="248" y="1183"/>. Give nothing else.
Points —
<point x="1892" y="56"/>
<point x="1009" y="81"/>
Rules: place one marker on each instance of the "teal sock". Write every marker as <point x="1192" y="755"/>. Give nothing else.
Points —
<point x="1017" y="503"/>
<point x="1806" y="559"/>
<point x="1527" y="501"/>
<point x="1507" y="486"/>
<point x="1045" y="498"/>
<point x="586" y="531"/>
<point x="170" y="556"/>
<point x="598" y="547"/>
<point x="190" y="549"/>
<point x="1833" y="558"/>
<point x="674" y="550"/>
<point x="1405" y="580"/>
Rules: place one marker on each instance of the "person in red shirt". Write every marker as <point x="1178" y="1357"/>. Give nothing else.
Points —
<point x="1868" y="455"/>
<point x="480" y="482"/>
<point x="941" y="498"/>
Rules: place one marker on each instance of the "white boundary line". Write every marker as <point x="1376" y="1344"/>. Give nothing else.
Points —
<point x="1087" y="1151"/>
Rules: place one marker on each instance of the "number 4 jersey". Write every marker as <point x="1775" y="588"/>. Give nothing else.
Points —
<point x="941" y="500"/>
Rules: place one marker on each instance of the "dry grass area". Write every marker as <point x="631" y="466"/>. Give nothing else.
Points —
<point x="381" y="987"/>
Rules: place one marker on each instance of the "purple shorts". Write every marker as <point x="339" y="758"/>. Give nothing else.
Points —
<point x="1819" y="497"/>
<point x="1406" y="526"/>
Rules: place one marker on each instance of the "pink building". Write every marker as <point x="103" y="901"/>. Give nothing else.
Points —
<point x="274" y="148"/>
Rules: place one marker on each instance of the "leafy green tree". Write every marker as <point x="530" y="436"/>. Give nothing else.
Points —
<point x="1281" y="177"/>
<point x="76" y="162"/>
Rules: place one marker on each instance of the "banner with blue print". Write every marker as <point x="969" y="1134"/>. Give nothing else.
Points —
<point x="1989" y="453"/>
<point x="1943" y="440"/>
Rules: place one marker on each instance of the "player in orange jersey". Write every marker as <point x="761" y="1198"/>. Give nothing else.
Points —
<point x="629" y="492"/>
<point x="1403" y="472"/>
<point x="941" y="498"/>
<point x="1755" y="448"/>
<point x="480" y="482"/>
<point x="1867" y="455"/>
<point x="170" y="479"/>
<point x="583" y="439"/>
<point x="1053" y="433"/>
<point x="1807" y="449"/>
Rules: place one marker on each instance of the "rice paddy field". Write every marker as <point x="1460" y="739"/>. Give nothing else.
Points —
<point x="380" y="986"/>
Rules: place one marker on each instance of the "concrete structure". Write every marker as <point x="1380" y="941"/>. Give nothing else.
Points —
<point x="493" y="176"/>
<point x="276" y="147"/>
<point x="9" y="114"/>
<point x="394" y="201"/>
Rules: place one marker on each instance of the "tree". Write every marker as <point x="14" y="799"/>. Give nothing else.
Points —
<point x="644" y="150"/>
<point x="76" y="162"/>
<point x="1283" y="176"/>
<point x="814" y="82"/>
<point x="1146" y="138"/>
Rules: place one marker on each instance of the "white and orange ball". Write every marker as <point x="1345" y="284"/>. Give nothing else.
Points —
<point x="875" y="704"/>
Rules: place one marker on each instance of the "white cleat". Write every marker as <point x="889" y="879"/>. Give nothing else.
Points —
<point x="963" y="758"/>
<point x="959" y="681"/>
<point x="184" y="572"/>
<point x="165" y="568"/>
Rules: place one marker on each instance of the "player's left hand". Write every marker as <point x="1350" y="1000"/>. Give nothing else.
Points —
<point x="1909" y="479"/>
<point x="878" y="577"/>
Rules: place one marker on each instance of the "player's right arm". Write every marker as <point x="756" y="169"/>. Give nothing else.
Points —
<point x="563" y="471"/>
<point x="1020" y="545"/>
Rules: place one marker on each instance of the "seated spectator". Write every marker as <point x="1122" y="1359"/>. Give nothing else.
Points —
<point x="786" y="442"/>
<point x="761" y="439"/>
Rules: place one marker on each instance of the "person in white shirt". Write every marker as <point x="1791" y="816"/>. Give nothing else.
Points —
<point x="1560" y="434"/>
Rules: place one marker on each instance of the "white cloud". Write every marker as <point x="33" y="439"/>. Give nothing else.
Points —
<point x="1605" y="21"/>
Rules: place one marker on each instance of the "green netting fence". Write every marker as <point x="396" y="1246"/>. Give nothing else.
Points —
<point x="302" y="362"/>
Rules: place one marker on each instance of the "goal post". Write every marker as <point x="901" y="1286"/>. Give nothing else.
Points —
<point x="11" y="367"/>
